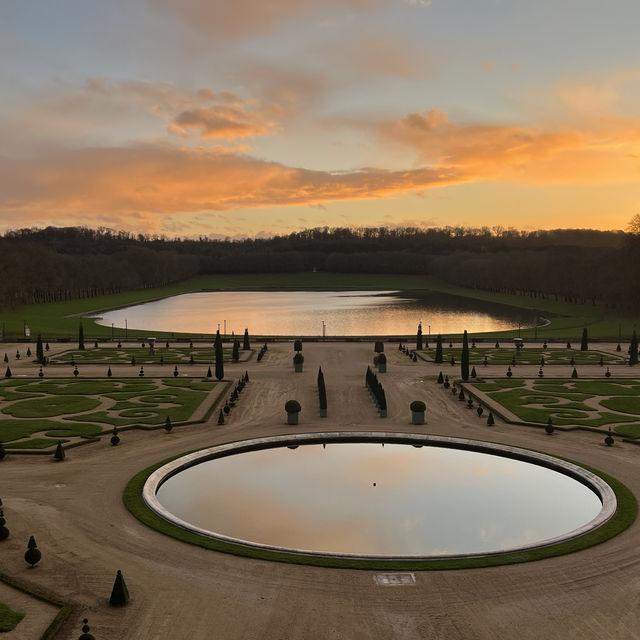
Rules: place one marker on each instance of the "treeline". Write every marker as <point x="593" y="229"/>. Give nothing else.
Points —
<point x="55" y="264"/>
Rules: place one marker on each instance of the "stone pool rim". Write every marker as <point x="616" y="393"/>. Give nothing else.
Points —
<point x="586" y="477"/>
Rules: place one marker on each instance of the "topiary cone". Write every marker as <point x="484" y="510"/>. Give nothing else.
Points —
<point x="490" y="420"/>
<point x="115" y="438"/>
<point x="549" y="428"/>
<point x="4" y="532"/>
<point x="59" y="453"/>
<point x="167" y="425"/>
<point x="7" y="373"/>
<point x="109" y="374"/>
<point x="221" y="417"/>
<point x="3" y="451"/>
<point x="32" y="554"/>
<point x="119" y="593"/>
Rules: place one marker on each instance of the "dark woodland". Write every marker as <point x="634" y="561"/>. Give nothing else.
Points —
<point x="54" y="264"/>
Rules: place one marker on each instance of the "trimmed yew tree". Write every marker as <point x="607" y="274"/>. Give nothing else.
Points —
<point x="584" y="342"/>
<point x="464" y="360"/>
<point x="217" y="347"/>
<point x="80" y="338"/>
<point x="633" y="349"/>
<point x="245" y="342"/>
<point x="119" y="593"/>
<point x="438" y="357"/>
<point x="32" y="555"/>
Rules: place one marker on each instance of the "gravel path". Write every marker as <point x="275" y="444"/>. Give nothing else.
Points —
<point x="178" y="591"/>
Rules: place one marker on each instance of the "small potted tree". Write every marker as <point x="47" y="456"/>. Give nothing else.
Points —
<point x="417" y="411"/>
<point x="293" y="408"/>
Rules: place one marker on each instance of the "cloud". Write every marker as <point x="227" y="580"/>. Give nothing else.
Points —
<point x="119" y="111"/>
<point x="600" y="154"/>
<point x="220" y="122"/>
<point x="163" y="179"/>
<point x="229" y="18"/>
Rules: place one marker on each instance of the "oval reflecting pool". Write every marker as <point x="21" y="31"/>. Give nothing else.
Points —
<point x="375" y="499"/>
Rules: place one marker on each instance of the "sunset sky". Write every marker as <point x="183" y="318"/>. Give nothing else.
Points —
<point x="255" y="117"/>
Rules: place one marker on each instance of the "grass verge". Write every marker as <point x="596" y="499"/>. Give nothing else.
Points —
<point x="9" y="618"/>
<point x="65" y="607"/>
<point x="625" y="516"/>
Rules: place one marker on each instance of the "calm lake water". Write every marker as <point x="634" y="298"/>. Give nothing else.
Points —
<point x="302" y="313"/>
<point x="365" y="498"/>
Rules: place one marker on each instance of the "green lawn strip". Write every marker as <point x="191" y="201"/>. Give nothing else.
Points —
<point x="35" y="443"/>
<point x="113" y="355"/>
<point x="506" y="356"/>
<point x="60" y="319"/>
<point x="16" y="428"/>
<point x="624" y="404"/>
<point x="624" y="517"/>
<point x="65" y="611"/>
<point x="72" y="386"/>
<point x="9" y="618"/>
<point x="628" y="430"/>
<point x="50" y="406"/>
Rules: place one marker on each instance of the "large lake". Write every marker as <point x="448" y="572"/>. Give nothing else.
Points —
<point x="309" y="313"/>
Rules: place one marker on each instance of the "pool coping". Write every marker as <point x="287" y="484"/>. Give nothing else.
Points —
<point x="604" y="492"/>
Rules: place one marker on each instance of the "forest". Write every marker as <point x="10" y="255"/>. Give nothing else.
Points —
<point x="577" y="265"/>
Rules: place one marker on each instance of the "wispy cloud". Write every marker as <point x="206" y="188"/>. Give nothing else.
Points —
<point x="230" y="18"/>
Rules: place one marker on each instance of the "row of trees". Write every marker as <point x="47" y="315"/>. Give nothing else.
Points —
<point x="57" y="264"/>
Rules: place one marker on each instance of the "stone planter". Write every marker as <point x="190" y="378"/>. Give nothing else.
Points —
<point x="417" y="417"/>
<point x="292" y="417"/>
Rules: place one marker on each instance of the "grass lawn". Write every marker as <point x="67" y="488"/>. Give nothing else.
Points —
<point x="8" y="618"/>
<point x="590" y="403"/>
<point x="61" y="319"/>
<point x="138" y="355"/>
<point x="86" y="408"/>
<point x="535" y="355"/>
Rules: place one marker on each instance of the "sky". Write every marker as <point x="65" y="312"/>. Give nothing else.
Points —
<point x="234" y="118"/>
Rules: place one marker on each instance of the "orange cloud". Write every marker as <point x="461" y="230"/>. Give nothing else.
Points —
<point x="167" y="179"/>
<point x="220" y="122"/>
<point x="228" y="18"/>
<point x="601" y="153"/>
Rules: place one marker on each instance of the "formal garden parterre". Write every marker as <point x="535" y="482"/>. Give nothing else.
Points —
<point x="37" y="414"/>
<point x="508" y="355"/>
<point x="143" y="355"/>
<point x="594" y="403"/>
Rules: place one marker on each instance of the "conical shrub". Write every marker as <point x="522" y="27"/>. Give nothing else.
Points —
<point x="59" y="453"/>
<point x="119" y="593"/>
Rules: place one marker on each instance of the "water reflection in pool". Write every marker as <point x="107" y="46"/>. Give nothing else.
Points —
<point x="365" y="498"/>
<point x="302" y="313"/>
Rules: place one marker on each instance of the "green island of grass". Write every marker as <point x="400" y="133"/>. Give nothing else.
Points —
<point x="9" y="618"/>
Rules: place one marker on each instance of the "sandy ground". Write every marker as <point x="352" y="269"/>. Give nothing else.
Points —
<point x="75" y="511"/>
